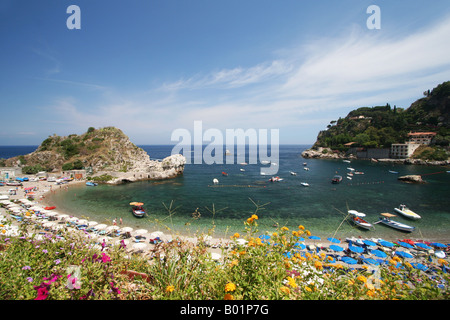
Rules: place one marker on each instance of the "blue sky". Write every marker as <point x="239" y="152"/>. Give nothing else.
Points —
<point x="150" y="67"/>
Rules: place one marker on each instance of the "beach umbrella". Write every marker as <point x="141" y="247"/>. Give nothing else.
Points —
<point x="159" y="234"/>
<point x="378" y="253"/>
<point x="139" y="245"/>
<point x="126" y="229"/>
<point x="385" y="243"/>
<point x="422" y="246"/>
<point x="314" y="238"/>
<point x="101" y="226"/>
<point x="403" y="254"/>
<point x="371" y="261"/>
<point x="82" y="221"/>
<point x="112" y="228"/>
<point x="92" y="223"/>
<point x="356" y="249"/>
<point x="349" y="260"/>
<point x="300" y="245"/>
<point x="369" y="243"/>
<point x="336" y="248"/>
<point x="419" y="266"/>
<point x="406" y="245"/>
<point x="438" y="245"/>
<point x="334" y="240"/>
<point x="141" y="231"/>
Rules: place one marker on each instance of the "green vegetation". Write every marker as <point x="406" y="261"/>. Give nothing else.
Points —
<point x="33" y="169"/>
<point x="66" y="265"/>
<point x="102" y="178"/>
<point x="381" y="126"/>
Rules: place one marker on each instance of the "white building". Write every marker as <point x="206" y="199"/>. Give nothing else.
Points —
<point x="421" y="137"/>
<point x="403" y="150"/>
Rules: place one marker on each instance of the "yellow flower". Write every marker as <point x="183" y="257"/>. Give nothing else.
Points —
<point x="318" y="265"/>
<point x="242" y="253"/>
<point x="274" y="234"/>
<point x="308" y="233"/>
<point x="254" y="217"/>
<point x="249" y="220"/>
<point x="362" y="279"/>
<point x="351" y="282"/>
<point x="230" y="286"/>
<point x="371" y="293"/>
<point x="339" y="266"/>
<point x="233" y="263"/>
<point x="308" y="289"/>
<point x="292" y="282"/>
<point x="285" y="229"/>
<point x="295" y="233"/>
<point x="442" y="261"/>
<point x="285" y="290"/>
<point x="236" y="235"/>
<point x="369" y="286"/>
<point x="301" y="227"/>
<point x="170" y="289"/>
<point x="228" y="297"/>
<point x="408" y="265"/>
<point x="396" y="259"/>
<point x="3" y="231"/>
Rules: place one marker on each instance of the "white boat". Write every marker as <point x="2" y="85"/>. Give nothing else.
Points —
<point x="274" y="179"/>
<point x="351" y="169"/>
<point x="386" y="219"/>
<point x="403" y="210"/>
<point x="356" y="213"/>
<point x="306" y="169"/>
<point x="347" y="161"/>
<point x="360" y="222"/>
<point x="293" y="173"/>
<point x="242" y="170"/>
<point x="305" y="184"/>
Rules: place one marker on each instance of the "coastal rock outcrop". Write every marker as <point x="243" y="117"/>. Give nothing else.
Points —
<point x="411" y="179"/>
<point x="323" y="153"/>
<point x="106" y="152"/>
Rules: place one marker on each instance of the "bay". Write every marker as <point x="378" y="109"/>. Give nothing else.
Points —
<point x="321" y="207"/>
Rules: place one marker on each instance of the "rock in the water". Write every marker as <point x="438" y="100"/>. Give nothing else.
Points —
<point x="411" y="179"/>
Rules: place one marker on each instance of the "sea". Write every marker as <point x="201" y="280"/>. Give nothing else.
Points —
<point x="192" y="204"/>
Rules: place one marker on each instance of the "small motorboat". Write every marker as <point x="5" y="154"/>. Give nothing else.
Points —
<point x="305" y="164"/>
<point x="91" y="184"/>
<point x="394" y="172"/>
<point x="275" y="179"/>
<point x="224" y="173"/>
<point x="242" y="170"/>
<point x="358" y="172"/>
<point x="137" y="209"/>
<point x="305" y="184"/>
<point x="306" y="169"/>
<point x="293" y="173"/>
<point x="346" y="161"/>
<point x="50" y="208"/>
<point x="386" y="219"/>
<point x="14" y="183"/>
<point x="336" y="179"/>
<point x="360" y="222"/>
<point x="403" y="210"/>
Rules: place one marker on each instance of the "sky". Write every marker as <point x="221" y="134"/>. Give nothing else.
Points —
<point x="151" y="67"/>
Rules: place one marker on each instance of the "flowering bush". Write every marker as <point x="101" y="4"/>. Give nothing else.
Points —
<point x="71" y="266"/>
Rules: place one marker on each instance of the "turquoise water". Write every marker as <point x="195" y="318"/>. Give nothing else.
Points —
<point x="319" y="207"/>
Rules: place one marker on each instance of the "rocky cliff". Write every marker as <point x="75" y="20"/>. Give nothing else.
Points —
<point x="104" y="151"/>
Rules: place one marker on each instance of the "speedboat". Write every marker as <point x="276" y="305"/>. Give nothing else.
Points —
<point x="360" y="222"/>
<point x="137" y="209"/>
<point x="293" y="173"/>
<point x="275" y="179"/>
<point x="306" y="169"/>
<point x="91" y="184"/>
<point x="305" y="184"/>
<point x="336" y="179"/>
<point x="403" y="210"/>
<point x="386" y="219"/>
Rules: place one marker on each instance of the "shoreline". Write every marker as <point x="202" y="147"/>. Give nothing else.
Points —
<point x="44" y="188"/>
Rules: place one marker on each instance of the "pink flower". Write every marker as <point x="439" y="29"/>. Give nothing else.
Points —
<point x="105" y="258"/>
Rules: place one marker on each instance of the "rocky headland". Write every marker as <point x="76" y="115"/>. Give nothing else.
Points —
<point x="105" y="152"/>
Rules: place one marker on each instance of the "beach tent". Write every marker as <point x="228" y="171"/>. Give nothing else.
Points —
<point x="336" y="248"/>
<point x="356" y="249"/>
<point x="403" y="254"/>
<point x="422" y="246"/>
<point x="378" y="253"/>
<point x="385" y="243"/>
<point x="369" y="243"/>
<point x="334" y="240"/>
<point x="405" y="245"/>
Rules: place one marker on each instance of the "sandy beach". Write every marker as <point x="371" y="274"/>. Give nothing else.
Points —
<point x="143" y="240"/>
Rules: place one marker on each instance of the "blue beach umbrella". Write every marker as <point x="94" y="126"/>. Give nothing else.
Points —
<point x="406" y="245"/>
<point x="349" y="260"/>
<point x="356" y="249"/>
<point x="438" y="245"/>
<point x="403" y="254"/>
<point x="419" y="266"/>
<point x="314" y="238"/>
<point x="385" y="243"/>
<point x="369" y="243"/>
<point x="422" y="246"/>
<point x="300" y="245"/>
<point x="300" y="239"/>
<point x="264" y="237"/>
<point x="378" y="253"/>
<point x="371" y="261"/>
<point x="334" y="240"/>
<point x="336" y="248"/>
